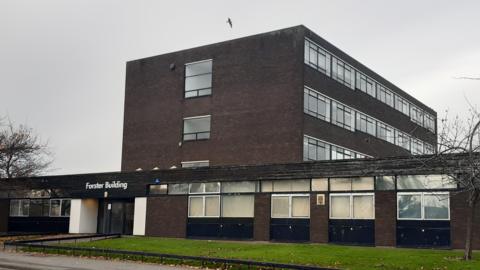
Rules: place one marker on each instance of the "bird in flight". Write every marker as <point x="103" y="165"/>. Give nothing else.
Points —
<point x="229" y="21"/>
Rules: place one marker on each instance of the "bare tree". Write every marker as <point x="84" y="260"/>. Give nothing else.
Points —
<point x="22" y="153"/>
<point x="462" y="138"/>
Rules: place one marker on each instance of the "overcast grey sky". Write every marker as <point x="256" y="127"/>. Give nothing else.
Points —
<point x="62" y="63"/>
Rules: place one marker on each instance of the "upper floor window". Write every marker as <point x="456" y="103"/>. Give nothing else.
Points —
<point x="384" y="95"/>
<point x="417" y="147"/>
<point x="402" y="105"/>
<point x="343" y="73"/>
<point x="198" y="79"/>
<point x="342" y="116"/>
<point x="195" y="164"/>
<point x="196" y="128"/>
<point x="416" y="115"/>
<point x="402" y="140"/>
<point x="365" y="84"/>
<point x="366" y="124"/>
<point x="316" y="105"/>
<point x="385" y="132"/>
<point x="429" y="122"/>
<point x="317" y="57"/>
<point x="428" y="149"/>
<point x="315" y="150"/>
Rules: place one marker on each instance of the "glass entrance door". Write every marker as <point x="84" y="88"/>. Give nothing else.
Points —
<point x="115" y="216"/>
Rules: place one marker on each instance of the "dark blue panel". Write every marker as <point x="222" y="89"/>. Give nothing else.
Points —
<point x="290" y="230"/>
<point x="38" y="224"/>
<point x="352" y="231"/>
<point x="423" y="233"/>
<point x="225" y="228"/>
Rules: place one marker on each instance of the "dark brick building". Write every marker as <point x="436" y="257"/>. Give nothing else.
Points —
<point x="282" y="96"/>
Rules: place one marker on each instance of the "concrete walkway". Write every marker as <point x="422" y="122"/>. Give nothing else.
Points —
<point x="28" y="261"/>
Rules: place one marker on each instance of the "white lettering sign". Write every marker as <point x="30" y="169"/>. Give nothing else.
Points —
<point x="107" y="185"/>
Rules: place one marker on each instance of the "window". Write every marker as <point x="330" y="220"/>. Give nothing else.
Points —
<point x="196" y="128"/>
<point x="342" y="116"/>
<point x="19" y="208"/>
<point x="402" y="105"/>
<point x="352" y="206"/>
<point x="423" y="206"/>
<point x="365" y="84"/>
<point x="385" y="132"/>
<point x="204" y="206"/>
<point x="315" y="149"/>
<point x="343" y="73"/>
<point x="290" y="206"/>
<point x="385" y="182"/>
<point x="316" y="104"/>
<point x="352" y="183"/>
<point x="402" y="140"/>
<point x="239" y="187"/>
<point x="417" y="147"/>
<point x="435" y="181"/>
<point x="317" y="57"/>
<point x="158" y="189"/>
<point x="428" y="148"/>
<point x="286" y="185"/>
<point x="59" y="208"/>
<point x="39" y="208"/>
<point x="195" y="164"/>
<point x="341" y="153"/>
<point x="429" y="122"/>
<point x="416" y="115"/>
<point x="366" y="124"/>
<point x="212" y="187"/>
<point x="177" y="189"/>
<point x="198" y="79"/>
<point x="384" y="95"/>
<point x="238" y="205"/>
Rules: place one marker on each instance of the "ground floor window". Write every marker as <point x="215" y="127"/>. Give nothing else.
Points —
<point x="352" y="206"/>
<point x="423" y="205"/>
<point x="59" y="208"/>
<point x="290" y="206"/>
<point x="40" y="207"/>
<point x="204" y="206"/>
<point x="19" y="208"/>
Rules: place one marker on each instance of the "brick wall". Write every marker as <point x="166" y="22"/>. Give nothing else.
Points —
<point x="4" y="213"/>
<point x="319" y="220"/>
<point x="261" y="222"/>
<point x="458" y="218"/>
<point x="167" y="216"/>
<point x="385" y="218"/>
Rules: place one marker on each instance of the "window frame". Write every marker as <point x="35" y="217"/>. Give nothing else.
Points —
<point x="290" y="196"/>
<point x="21" y="204"/>
<point x="422" y="204"/>
<point x="204" y="204"/>
<point x="195" y="162"/>
<point x="350" y="195"/>
<point x="196" y="133"/>
<point x="185" y="91"/>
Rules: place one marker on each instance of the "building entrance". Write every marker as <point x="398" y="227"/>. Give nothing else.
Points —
<point x="115" y="216"/>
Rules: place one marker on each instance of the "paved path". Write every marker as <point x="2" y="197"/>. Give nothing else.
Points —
<point x="27" y="261"/>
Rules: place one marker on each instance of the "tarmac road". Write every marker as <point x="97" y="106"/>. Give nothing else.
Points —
<point x="28" y="261"/>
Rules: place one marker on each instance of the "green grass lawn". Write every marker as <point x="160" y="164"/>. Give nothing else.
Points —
<point x="344" y="257"/>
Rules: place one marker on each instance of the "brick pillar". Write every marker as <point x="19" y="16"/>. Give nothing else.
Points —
<point x="261" y="222"/>
<point x="167" y="216"/>
<point x="458" y="217"/>
<point x="4" y="213"/>
<point x="385" y="218"/>
<point x="318" y="219"/>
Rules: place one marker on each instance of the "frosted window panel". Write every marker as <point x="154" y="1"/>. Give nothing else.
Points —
<point x="196" y="187"/>
<point x="198" y="82"/>
<point x="198" y="68"/>
<point x="238" y="206"/>
<point x="282" y="185"/>
<point x="280" y="207"/>
<point x="237" y="187"/>
<point x="212" y="206"/>
<point x="300" y="185"/>
<point x="425" y="182"/>
<point x="320" y="184"/>
<point x="196" y="207"/>
<point x="300" y="206"/>
<point x="177" y="188"/>
<point x="385" y="183"/>
<point x="340" y="207"/>
<point x="436" y="206"/>
<point x="410" y="206"/>
<point x="267" y="186"/>
<point x="194" y="125"/>
<point x="340" y="184"/>
<point x="363" y="183"/>
<point x="212" y="187"/>
<point x="439" y="181"/>
<point x="363" y="207"/>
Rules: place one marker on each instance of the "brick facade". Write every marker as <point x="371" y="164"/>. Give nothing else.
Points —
<point x="385" y="218"/>
<point x="4" y="213"/>
<point x="319" y="215"/>
<point x="167" y="216"/>
<point x="261" y="222"/>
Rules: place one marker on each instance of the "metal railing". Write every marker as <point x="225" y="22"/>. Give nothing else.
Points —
<point x="40" y="246"/>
